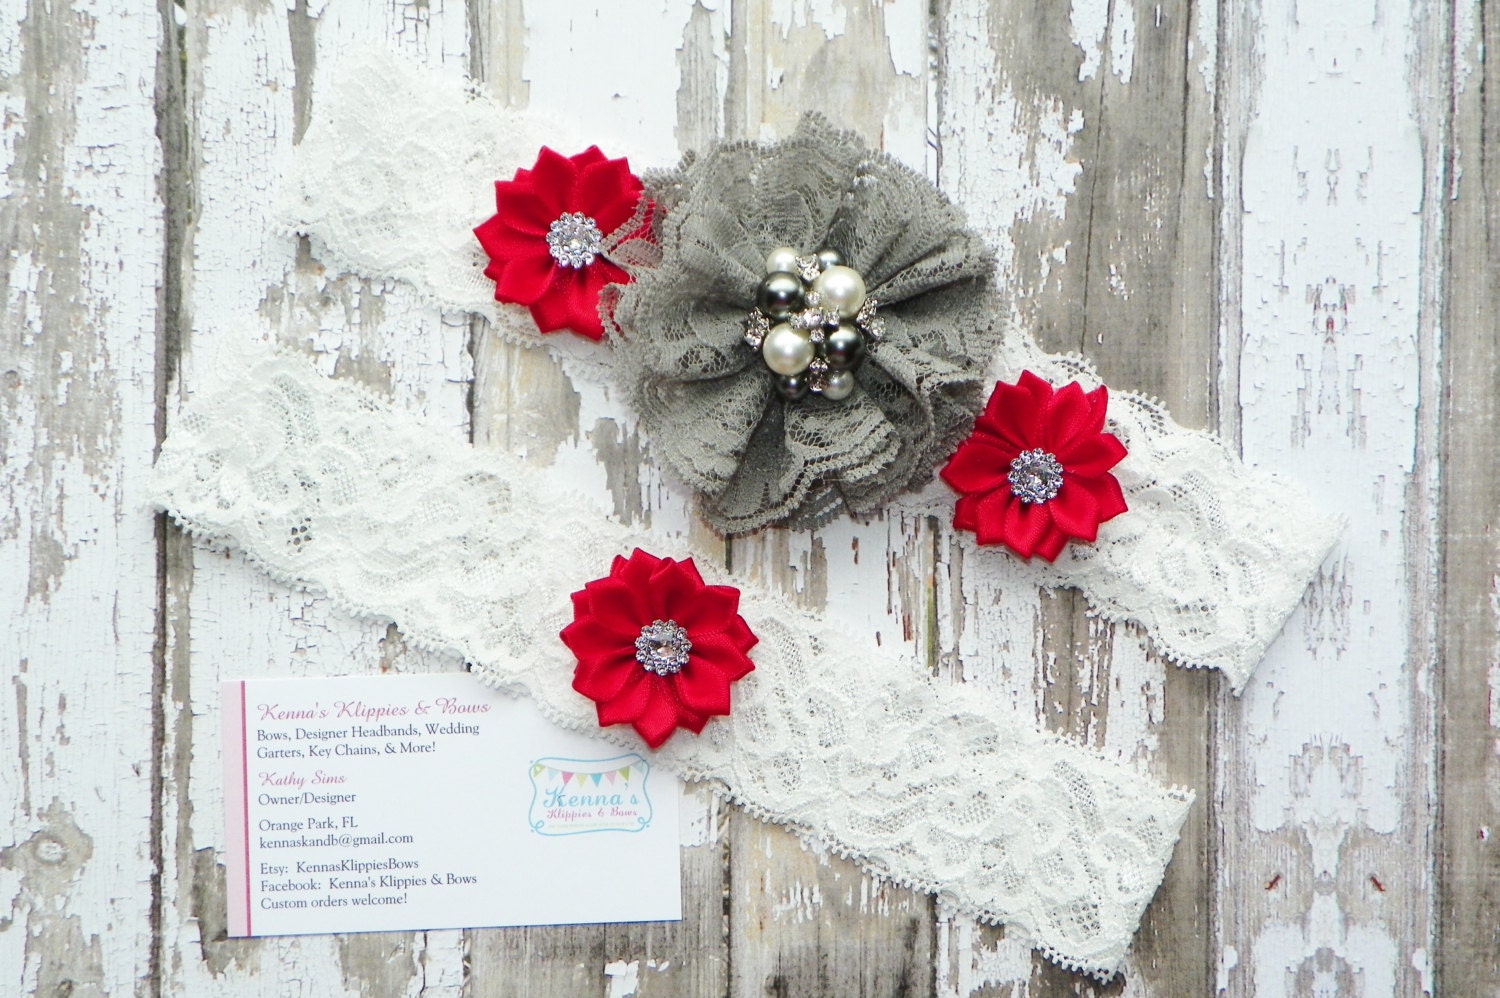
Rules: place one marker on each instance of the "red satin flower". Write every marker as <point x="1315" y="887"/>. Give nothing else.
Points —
<point x="560" y="285"/>
<point x="657" y="649"/>
<point x="1035" y="471"/>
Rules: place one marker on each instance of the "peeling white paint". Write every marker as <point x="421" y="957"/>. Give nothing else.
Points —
<point x="1333" y="772"/>
<point x="624" y="978"/>
<point x="698" y="816"/>
<point x="1088" y="20"/>
<point x="1494" y="669"/>
<point x="1122" y="40"/>
<point x="1204" y="45"/>
<point x="973" y="965"/>
<point x="1004" y="161"/>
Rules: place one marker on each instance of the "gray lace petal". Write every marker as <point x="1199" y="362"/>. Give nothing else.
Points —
<point x="706" y="401"/>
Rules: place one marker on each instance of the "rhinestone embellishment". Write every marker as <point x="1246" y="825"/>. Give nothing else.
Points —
<point x="1035" y="476"/>
<point x="662" y="648"/>
<point x="757" y="325"/>
<point x="574" y="240"/>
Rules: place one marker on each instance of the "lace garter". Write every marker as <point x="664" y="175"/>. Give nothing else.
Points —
<point x="324" y="486"/>
<point x="398" y="165"/>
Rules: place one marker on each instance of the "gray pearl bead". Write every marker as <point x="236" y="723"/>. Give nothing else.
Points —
<point x="830" y="257"/>
<point x="840" y="385"/>
<point x="780" y="295"/>
<point x="792" y="386"/>
<point x="844" y="348"/>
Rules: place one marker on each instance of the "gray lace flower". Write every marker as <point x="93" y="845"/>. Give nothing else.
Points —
<point x="758" y="453"/>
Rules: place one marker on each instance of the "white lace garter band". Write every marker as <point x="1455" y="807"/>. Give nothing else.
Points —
<point x="324" y="486"/>
<point x="399" y="164"/>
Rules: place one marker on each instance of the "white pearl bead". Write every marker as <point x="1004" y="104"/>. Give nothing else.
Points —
<point x="787" y="350"/>
<point x="841" y="288"/>
<point x="840" y="385"/>
<point x="781" y="260"/>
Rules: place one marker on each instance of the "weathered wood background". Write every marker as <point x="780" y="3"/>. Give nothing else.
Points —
<point x="1280" y="217"/>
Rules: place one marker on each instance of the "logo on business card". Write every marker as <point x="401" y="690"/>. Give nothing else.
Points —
<point x="574" y="796"/>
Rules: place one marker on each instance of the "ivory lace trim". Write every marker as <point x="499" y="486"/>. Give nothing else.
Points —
<point x="326" y="487"/>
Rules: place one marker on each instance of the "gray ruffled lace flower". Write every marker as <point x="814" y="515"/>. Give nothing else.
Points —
<point x="708" y="401"/>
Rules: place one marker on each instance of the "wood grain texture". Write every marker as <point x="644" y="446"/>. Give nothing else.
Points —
<point x="1105" y="223"/>
<point x="249" y="87"/>
<point x="82" y="230"/>
<point x="1468" y="956"/>
<point x="1275" y="216"/>
<point x="1325" y="776"/>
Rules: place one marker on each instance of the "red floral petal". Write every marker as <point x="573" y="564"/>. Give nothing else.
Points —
<point x="630" y="701"/>
<point x="1066" y="416"/>
<point x="1107" y="494"/>
<point x="521" y="208"/>
<point x="553" y="313"/>
<point x="672" y="590"/>
<point x="979" y="465"/>
<point x="552" y="178"/>
<point x="966" y="513"/>
<point x="659" y="718"/>
<point x="1050" y="546"/>
<point x="606" y="678"/>
<point x="1024" y="526"/>
<point x="501" y="243"/>
<point x="620" y="607"/>
<point x="1093" y="455"/>
<point x="738" y="634"/>
<point x="583" y="300"/>
<point x="570" y="304"/>
<point x="990" y="514"/>
<point x="608" y="193"/>
<point x="587" y="637"/>
<point x="723" y="652"/>
<point x="526" y="278"/>
<point x="708" y="608"/>
<point x="691" y="721"/>
<point x="1074" y="511"/>
<point x="1016" y="414"/>
<point x="587" y="158"/>
<point x="702" y="687"/>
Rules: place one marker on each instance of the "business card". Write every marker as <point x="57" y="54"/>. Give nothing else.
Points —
<point x="380" y="803"/>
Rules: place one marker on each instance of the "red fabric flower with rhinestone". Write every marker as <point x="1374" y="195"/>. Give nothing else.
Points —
<point x="546" y="238"/>
<point x="1035" y="471"/>
<point x="657" y="649"/>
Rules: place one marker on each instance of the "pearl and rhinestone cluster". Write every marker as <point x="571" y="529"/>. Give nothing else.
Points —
<point x="812" y="323"/>
<point x="663" y="647"/>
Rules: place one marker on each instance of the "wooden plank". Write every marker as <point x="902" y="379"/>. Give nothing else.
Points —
<point x="636" y="101"/>
<point x="1326" y="771"/>
<point x="1079" y="138"/>
<point x="249" y="90"/>
<point x="805" y="923"/>
<point x="1468" y="953"/>
<point x="81" y="224"/>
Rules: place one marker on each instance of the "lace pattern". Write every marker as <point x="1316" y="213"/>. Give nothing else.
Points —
<point x="1211" y="558"/>
<point x="325" y="486"/>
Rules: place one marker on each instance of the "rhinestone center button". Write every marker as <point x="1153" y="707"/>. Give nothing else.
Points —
<point x="1035" y="476"/>
<point x="574" y="240"/>
<point x="663" y="648"/>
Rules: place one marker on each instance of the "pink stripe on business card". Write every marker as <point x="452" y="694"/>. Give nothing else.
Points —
<point x="236" y="807"/>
